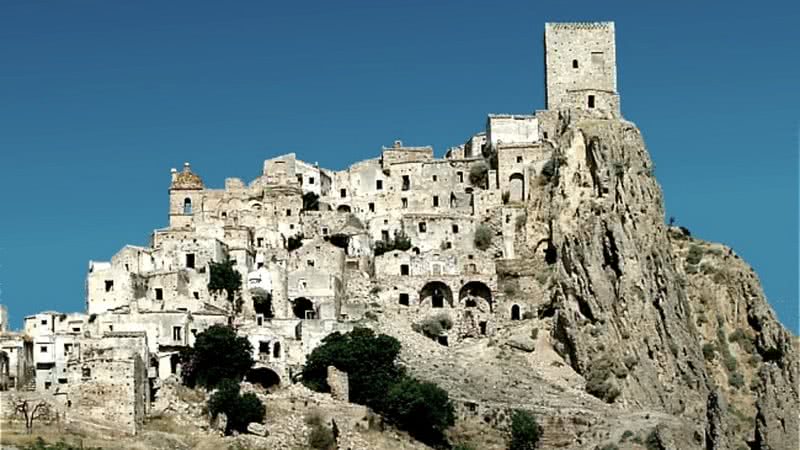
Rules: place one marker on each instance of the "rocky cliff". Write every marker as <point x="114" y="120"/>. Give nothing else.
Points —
<point x="642" y="336"/>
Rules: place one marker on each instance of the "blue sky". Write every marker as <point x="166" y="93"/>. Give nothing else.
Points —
<point x="99" y="99"/>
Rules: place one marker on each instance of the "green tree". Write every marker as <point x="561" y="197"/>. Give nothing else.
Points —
<point x="422" y="408"/>
<point x="369" y="361"/>
<point x="479" y="174"/>
<point x="218" y="354"/>
<point x="310" y="201"/>
<point x="525" y="432"/>
<point x="483" y="237"/>
<point x="239" y="409"/>
<point x="224" y="277"/>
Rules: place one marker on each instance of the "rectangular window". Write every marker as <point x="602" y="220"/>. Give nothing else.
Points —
<point x="591" y="101"/>
<point x="159" y="294"/>
<point x="405" y="203"/>
<point x="385" y="235"/>
<point x="176" y="333"/>
<point x="310" y="263"/>
<point x="190" y="260"/>
<point x="324" y="231"/>
<point x="288" y="212"/>
<point x="435" y="178"/>
<point x="597" y="58"/>
<point x="299" y="179"/>
<point x="404" y="299"/>
<point x="44" y="321"/>
<point x="372" y="207"/>
<point x="404" y="269"/>
<point x="519" y="159"/>
<point x="263" y="347"/>
<point x="460" y="177"/>
<point x="379" y="184"/>
<point x="455" y="228"/>
<point x="406" y="182"/>
<point x="43" y="349"/>
<point x="260" y="320"/>
<point x="196" y="295"/>
<point x="343" y="193"/>
<point x="260" y="242"/>
<point x="423" y="227"/>
<point x="109" y="285"/>
<point x="435" y="201"/>
<point x="310" y="180"/>
<point x="76" y="330"/>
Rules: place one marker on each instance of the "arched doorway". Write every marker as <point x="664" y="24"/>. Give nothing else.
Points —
<point x="264" y="377"/>
<point x="516" y="187"/>
<point x="515" y="312"/>
<point x="343" y="209"/>
<point x="474" y="293"/>
<point x="436" y="294"/>
<point x="303" y="308"/>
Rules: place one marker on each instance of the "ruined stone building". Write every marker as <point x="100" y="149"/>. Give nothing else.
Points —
<point x="305" y="238"/>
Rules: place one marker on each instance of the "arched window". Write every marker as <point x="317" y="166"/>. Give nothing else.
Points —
<point x="515" y="312"/>
<point x="574" y="63"/>
<point x="187" y="206"/>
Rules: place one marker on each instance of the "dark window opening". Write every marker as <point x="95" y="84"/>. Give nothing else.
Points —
<point x="519" y="159"/>
<point x="343" y="193"/>
<point x="379" y="184"/>
<point x="404" y="270"/>
<point x="310" y="180"/>
<point x="176" y="333"/>
<point x="310" y="262"/>
<point x="460" y="177"/>
<point x="591" y="101"/>
<point x="196" y="295"/>
<point x="288" y="212"/>
<point x="109" y="285"/>
<point x="385" y="235"/>
<point x="159" y="294"/>
<point x="405" y="203"/>
<point x="276" y="350"/>
<point x="406" y="182"/>
<point x="187" y="206"/>
<point x="260" y="242"/>
<point x="259" y="320"/>
<point x="515" y="312"/>
<point x="435" y="178"/>
<point x="545" y="134"/>
<point x="299" y="178"/>
<point x="372" y="207"/>
<point x="455" y="228"/>
<point x="86" y="373"/>
<point x="443" y="340"/>
<point x="404" y="299"/>
<point x="43" y="349"/>
<point x="423" y="227"/>
<point x="448" y="245"/>
<point x="483" y="328"/>
<point x="263" y="347"/>
<point x="190" y="260"/>
<point x="435" y="201"/>
<point x="574" y="63"/>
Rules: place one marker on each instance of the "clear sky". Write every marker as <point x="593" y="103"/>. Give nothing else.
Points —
<point x="99" y="99"/>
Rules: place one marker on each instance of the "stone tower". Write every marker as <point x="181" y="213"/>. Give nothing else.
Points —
<point x="581" y="66"/>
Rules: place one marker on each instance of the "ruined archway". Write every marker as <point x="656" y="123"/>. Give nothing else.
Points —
<point x="516" y="187"/>
<point x="303" y="308"/>
<point x="436" y="295"/>
<point x="263" y="377"/>
<point x="474" y="293"/>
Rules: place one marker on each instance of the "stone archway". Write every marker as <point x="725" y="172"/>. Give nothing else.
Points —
<point x="475" y="292"/>
<point x="436" y="294"/>
<point x="263" y="377"/>
<point x="303" y="308"/>
<point x="343" y="209"/>
<point x="516" y="187"/>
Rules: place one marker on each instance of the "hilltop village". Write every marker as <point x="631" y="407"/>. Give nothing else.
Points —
<point x="550" y="220"/>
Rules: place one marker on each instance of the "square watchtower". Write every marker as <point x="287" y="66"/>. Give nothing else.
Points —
<point x="581" y="66"/>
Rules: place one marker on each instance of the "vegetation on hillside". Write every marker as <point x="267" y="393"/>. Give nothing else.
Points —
<point x="218" y="354"/>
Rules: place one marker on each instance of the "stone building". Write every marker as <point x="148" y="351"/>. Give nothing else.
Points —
<point x="316" y="249"/>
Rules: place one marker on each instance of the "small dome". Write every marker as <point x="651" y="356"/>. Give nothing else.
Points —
<point x="186" y="179"/>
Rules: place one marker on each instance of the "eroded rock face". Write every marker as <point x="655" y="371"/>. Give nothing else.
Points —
<point x="628" y="313"/>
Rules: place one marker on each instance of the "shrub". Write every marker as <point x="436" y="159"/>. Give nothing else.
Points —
<point x="41" y="444"/>
<point x="321" y="437"/>
<point x="627" y="434"/>
<point x="218" y="354"/>
<point x="479" y="174"/>
<point x="294" y="242"/>
<point x="464" y="446"/>
<point x="730" y="363"/>
<point x="347" y="352"/>
<point x="483" y="237"/>
<point x="400" y="242"/>
<point x="709" y="351"/>
<point x="421" y="408"/>
<point x="240" y="409"/>
<point x="525" y="432"/>
<point x="432" y="327"/>
<point x="599" y="382"/>
<point x="520" y="221"/>
<point x="695" y="255"/>
<point x="736" y="379"/>
<point x="744" y="340"/>
<point x="528" y="315"/>
<point x="224" y="277"/>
